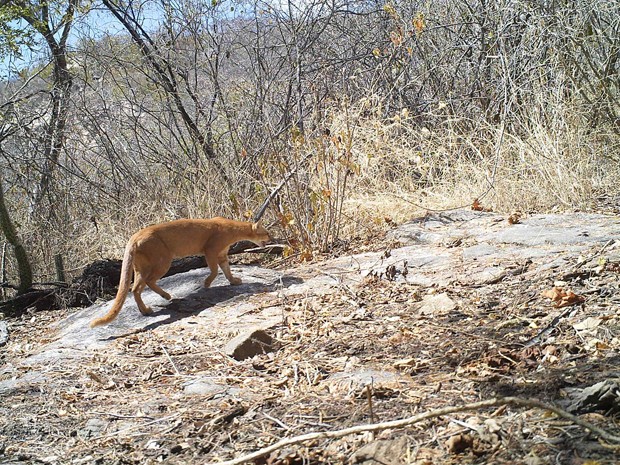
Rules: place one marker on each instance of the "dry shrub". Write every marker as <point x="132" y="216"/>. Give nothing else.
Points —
<point x="88" y="226"/>
<point x="365" y="172"/>
<point x="359" y="173"/>
<point x="318" y="169"/>
<point x="532" y="164"/>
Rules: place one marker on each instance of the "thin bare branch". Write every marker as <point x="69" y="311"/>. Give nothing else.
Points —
<point x="517" y="401"/>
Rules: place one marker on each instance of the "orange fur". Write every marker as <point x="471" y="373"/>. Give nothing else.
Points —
<point x="150" y="251"/>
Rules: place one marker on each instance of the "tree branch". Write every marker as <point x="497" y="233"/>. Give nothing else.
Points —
<point x="261" y="211"/>
<point x="602" y="434"/>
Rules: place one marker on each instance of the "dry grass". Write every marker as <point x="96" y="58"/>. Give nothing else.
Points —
<point x="532" y="167"/>
<point x="353" y="180"/>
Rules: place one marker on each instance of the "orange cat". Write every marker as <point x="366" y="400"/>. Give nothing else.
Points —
<point x="150" y="251"/>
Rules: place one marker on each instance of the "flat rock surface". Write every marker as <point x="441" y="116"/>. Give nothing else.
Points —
<point x="4" y="333"/>
<point x="438" y="313"/>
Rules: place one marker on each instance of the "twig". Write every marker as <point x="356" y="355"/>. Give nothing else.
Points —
<point x="585" y="260"/>
<point x="275" y="249"/>
<point x="602" y="434"/>
<point x="3" y="278"/>
<point x="7" y="285"/>
<point x="369" y="391"/>
<point x="249" y="247"/>
<point x="95" y="377"/>
<point x="276" y="421"/>
<point x="124" y="430"/>
<point x="550" y="327"/>
<point x="121" y="417"/>
<point x="465" y="425"/>
<point x="170" y="360"/>
<point x="261" y="211"/>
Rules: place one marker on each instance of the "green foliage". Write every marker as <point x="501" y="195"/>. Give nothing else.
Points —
<point x="19" y="21"/>
<point x="14" y="32"/>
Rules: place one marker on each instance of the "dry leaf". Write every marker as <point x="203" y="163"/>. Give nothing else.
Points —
<point x="306" y="255"/>
<point x="563" y="298"/>
<point x="476" y="205"/>
<point x="555" y="294"/>
<point x="602" y="346"/>
<point x="588" y="323"/>
<point x="515" y="218"/>
<point x="419" y="23"/>
<point x="571" y="299"/>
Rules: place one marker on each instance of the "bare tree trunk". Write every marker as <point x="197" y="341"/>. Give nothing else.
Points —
<point x="61" y="93"/>
<point x="23" y="263"/>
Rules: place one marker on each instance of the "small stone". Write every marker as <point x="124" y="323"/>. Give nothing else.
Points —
<point x="392" y="452"/>
<point x="354" y="382"/>
<point x="600" y="396"/>
<point x="249" y="344"/>
<point x="204" y="388"/>
<point x="49" y="459"/>
<point x="152" y="445"/>
<point x="93" y="428"/>
<point x="439" y="304"/>
<point x="459" y="443"/>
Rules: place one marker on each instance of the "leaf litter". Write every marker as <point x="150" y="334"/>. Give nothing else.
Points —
<point x="379" y="350"/>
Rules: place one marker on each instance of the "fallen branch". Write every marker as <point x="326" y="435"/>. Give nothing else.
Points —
<point x="601" y="433"/>
<point x="176" y="370"/>
<point x="250" y="247"/>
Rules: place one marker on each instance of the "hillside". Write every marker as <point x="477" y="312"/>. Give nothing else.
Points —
<point x="348" y="115"/>
<point x="449" y="309"/>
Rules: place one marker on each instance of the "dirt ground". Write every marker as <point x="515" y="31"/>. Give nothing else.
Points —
<point x="378" y="351"/>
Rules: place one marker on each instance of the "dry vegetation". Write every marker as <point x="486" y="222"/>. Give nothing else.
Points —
<point x="366" y="110"/>
<point x="133" y="401"/>
<point x="392" y="171"/>
<point x="355" y="115"/>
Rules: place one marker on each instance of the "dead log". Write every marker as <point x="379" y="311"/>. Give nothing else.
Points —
<point x="34" y="299"/>
<point x="100" y="280"/>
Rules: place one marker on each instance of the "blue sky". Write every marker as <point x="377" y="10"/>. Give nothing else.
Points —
<point x="99" y="22"/>
<point x="96" y="23"/>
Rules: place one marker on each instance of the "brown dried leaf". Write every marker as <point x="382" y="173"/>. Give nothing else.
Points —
<point x="555" y="294"/>
<point x="563" y="298"/>
<point x="570" y="299"/>
<point x="459" y="443"/>
<point x="515" y="218"/>
<point x="477" y="206"/>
